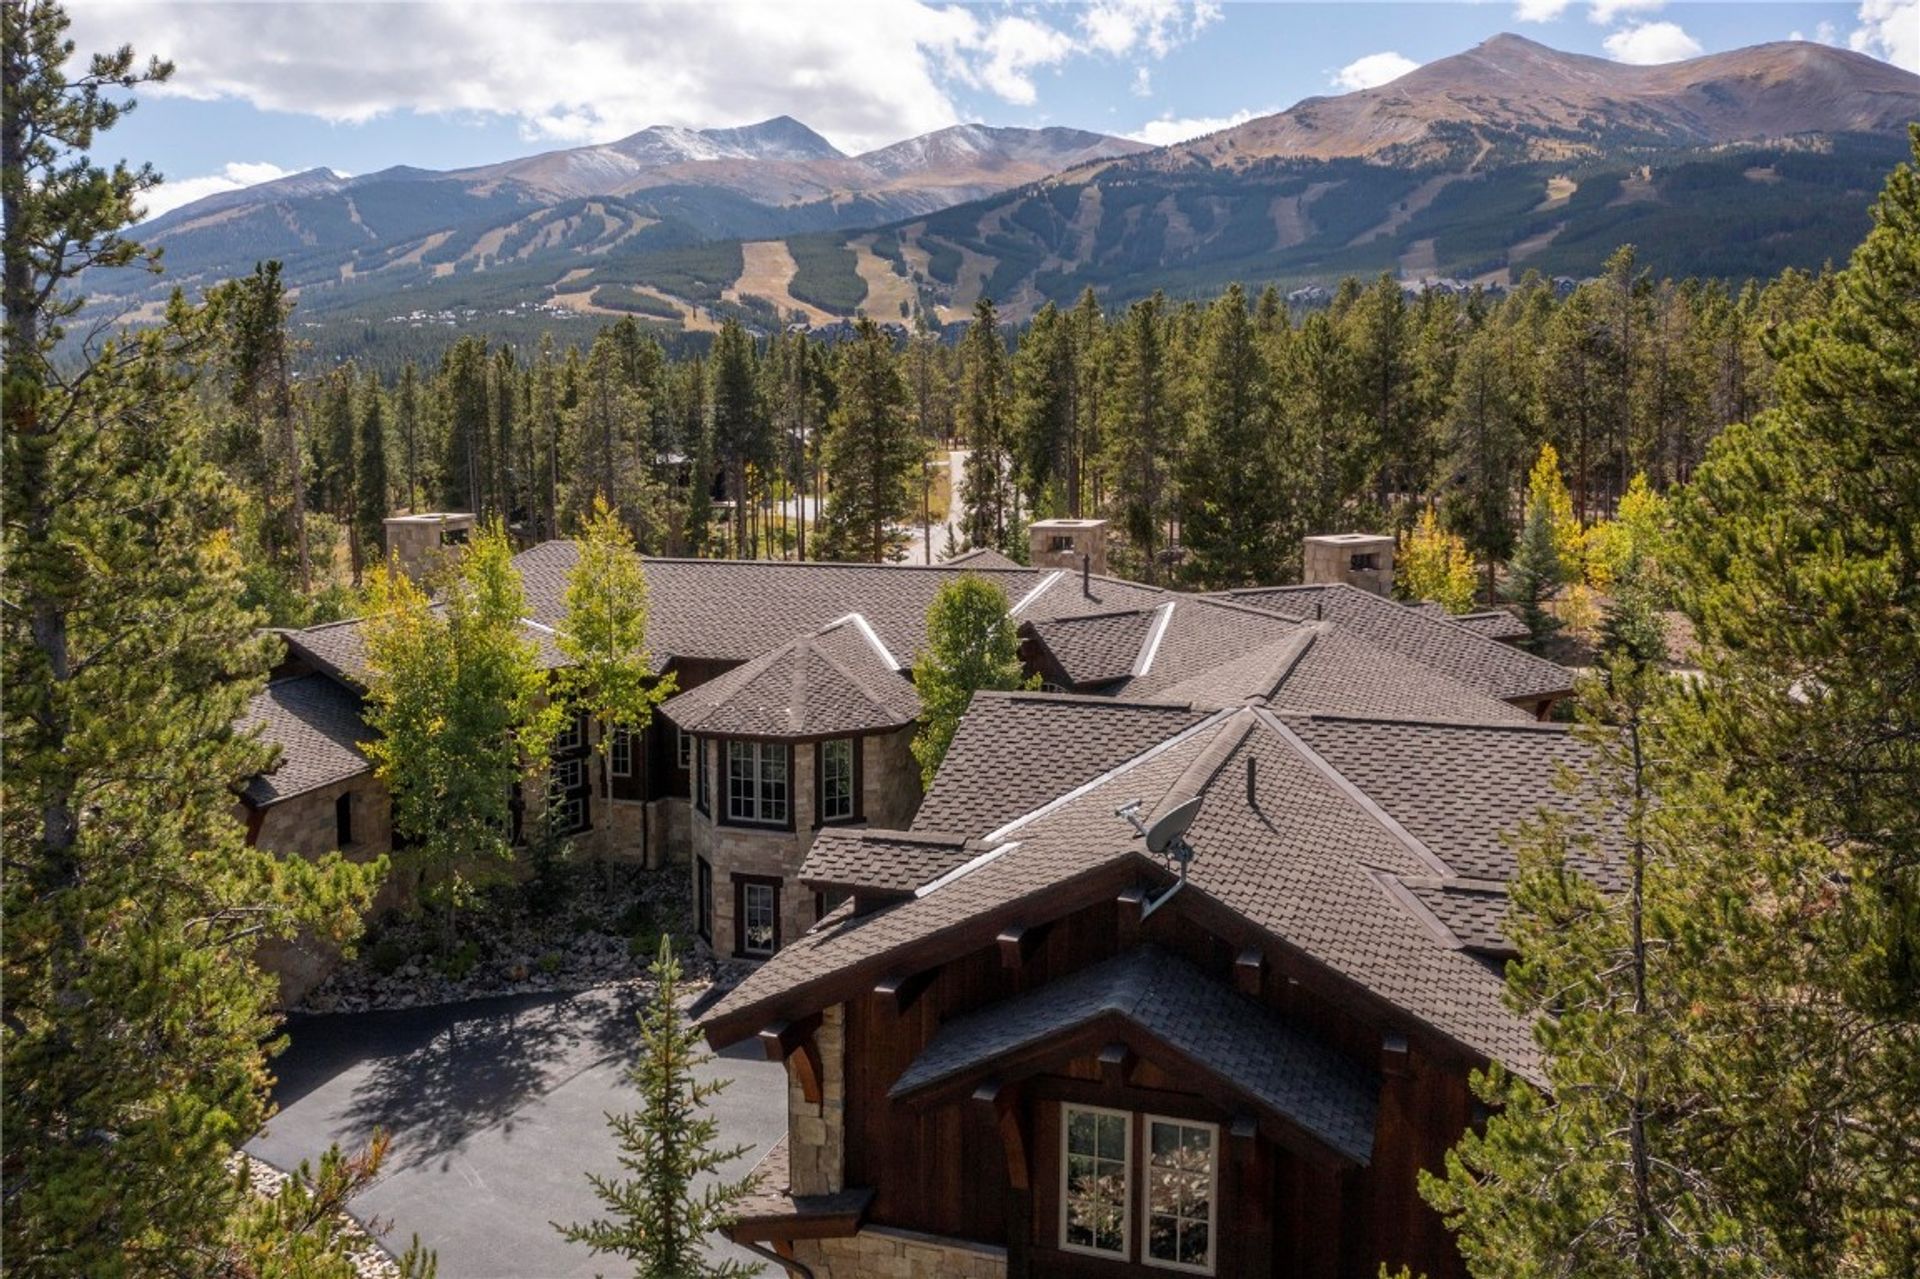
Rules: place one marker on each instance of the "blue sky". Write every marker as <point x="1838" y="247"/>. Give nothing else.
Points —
<point x="269" y="88"/>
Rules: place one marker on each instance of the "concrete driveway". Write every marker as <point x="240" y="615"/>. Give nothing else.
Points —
<point x="497" y="1110"/>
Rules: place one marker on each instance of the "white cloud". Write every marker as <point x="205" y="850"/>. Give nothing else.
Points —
<point x="1166" y="131"/>
<point x="1155" y="27"/>
<point x="1606" y="12"/>
<point x="1889" y="30"/>
<point x="1539" y="10"/>
<point x="1652" y="42"/>
<point x="572" y="72"/>
<point x="171" y="194"/>
<point x="1374" y="69"/>
<point x="1825" y="33"/>
<point x="1142" y="86"/>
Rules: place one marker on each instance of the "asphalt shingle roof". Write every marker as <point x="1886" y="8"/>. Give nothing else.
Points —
<point x="833" y="681"/>
<point x="1459" y="652"/>
<point x="1097" y="648"/>
<point x="317" y="726"/>
<point x="882" y="861"/>
<point x="1264" y="1057"/>
<point x="1473" y="910"/>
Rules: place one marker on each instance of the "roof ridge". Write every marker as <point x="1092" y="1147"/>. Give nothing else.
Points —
<point x="1095" y="617"/>
<point x="1358" y="797"/>
<point x="859" y="685"/>
<point x="1300" y="642"/>
<point x="942" y="567"/>
<point x="1198" y="776"/>
<point x="1084" y="699"/>
<point x="1354" y="717"/>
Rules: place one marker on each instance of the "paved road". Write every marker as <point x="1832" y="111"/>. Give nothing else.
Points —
<point x="497" y="1110"/>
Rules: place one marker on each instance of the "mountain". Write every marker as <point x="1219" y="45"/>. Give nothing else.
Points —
<point x="1507" y="158"/>
<point x="658" y="190"/>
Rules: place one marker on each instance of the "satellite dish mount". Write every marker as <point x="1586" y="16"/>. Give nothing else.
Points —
<point x="1167" y="836"/>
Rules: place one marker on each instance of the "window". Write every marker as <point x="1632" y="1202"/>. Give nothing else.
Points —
<point x="620" y="753"/>
<point x="703" y="898"/>
<point x="572" y="737"/>
<point x="343" y="821"/>
<point x="837" y="782"/>
<point x="1094" y="1198"/>
<point x="567" y="796"/>
<point x="683" y="745"/>
<point x="757" y="783"/>
<point x="1178" y="1194"/>
<point x="756" y="915"/>
<point x="702" y="783"/>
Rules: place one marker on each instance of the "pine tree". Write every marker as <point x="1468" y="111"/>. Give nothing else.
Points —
<point x="610" y="675"/>
<point x="455" y="703"/>
<point x="370" y="478"/>
<point x="407" y="411"/>
<point x="738" y="434"/>
<point x="1486" y="431"/>
<point x="137" y="1025"/>
<point x="1045" y="384"/>
<point x="1232" y="501"/>
<point x="1140" y="430"/>
<point x="971" y="645"/>
<point x="658" y="1221"/>
<point x="983" y="419"/>
<point x="873" y="453"/>
<point x="1535" y="575"/>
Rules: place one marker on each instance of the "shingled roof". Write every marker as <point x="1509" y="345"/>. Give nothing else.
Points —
<point x="837" y="680"/>
<point x="1255" y="1051"/>
<point x="317" y="726"/>
<point x="1302" y="862"/>
<point x="882" y="862"/>
<point x="1460" y="652"/>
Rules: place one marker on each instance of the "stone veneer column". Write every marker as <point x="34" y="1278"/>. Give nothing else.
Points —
<point x="817" y="1133"/>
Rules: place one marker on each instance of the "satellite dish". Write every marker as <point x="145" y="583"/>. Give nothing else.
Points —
<point x="1167" y="830"/>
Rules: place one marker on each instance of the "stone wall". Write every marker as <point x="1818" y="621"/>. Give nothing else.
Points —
<point x="890" y="787"/>
<point x="304" y="827"/>
<point x="882" y="1252"/>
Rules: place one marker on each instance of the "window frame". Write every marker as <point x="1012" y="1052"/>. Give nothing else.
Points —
<point x="1125" y="1254"/>
<point x="702" y="777"/>
<point x="821" y="817"/>
<point x="703" y="898"/>
<point x="741" y="886"/>
<point x="683" y="749"/>
<point x="758" y="781"/>
<point x="343" y="820"/>
<point x="573" y="737"/>
<point x="621" y="743"/>
<point x="1147" y="1122"/>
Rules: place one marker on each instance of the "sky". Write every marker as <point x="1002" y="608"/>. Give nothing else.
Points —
<point x="263" y="89"/>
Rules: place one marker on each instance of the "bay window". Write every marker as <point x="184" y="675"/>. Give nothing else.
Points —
<point x="838" y="779"/>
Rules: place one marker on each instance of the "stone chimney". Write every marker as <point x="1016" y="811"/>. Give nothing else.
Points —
<point x="416" y="542"/>
<point x="1068" y="544"/>
<point x="1364" y="560"/>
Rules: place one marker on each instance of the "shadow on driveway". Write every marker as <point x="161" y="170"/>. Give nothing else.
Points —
<point x="497" y="1110"/>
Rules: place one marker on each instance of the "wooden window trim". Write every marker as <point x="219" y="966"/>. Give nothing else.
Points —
<point x="623" y="740"/>
<point x="703" y="902"/>
<point x="702" y="776"/>
<point x="723" y="804"/>
<point x="1147" y="1121"/>
<point x="1126" y="1196"/>
<point x="858" y="812"/>
<point x="740" y="885"/>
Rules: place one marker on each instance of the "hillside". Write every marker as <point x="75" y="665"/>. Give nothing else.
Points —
<point x="1476" y="168"/>
<point x="661" y="189"/>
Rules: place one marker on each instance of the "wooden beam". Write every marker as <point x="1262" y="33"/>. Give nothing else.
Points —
<point x="904" y="992"/>
<point x="1116" y="1060"/>
<point x="1249" y="968"/>
<point x="1000" y="1104"/>
<point x="792" y="1042"/>
<point x="1018" y="943"/>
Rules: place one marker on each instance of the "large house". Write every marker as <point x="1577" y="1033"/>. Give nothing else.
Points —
<point x="1182" y="964"/>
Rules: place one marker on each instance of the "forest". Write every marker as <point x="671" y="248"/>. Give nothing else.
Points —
<point x="1213" y="435"/>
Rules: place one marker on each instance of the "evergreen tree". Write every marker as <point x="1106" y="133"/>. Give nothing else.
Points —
<point x="873" y="453"/>
<point x="370" y="479"/>
<point x="407" y="410"/>
<point x="1045" y="384"/>
<point x="738" y="435"/>
<point x="658" y="1221"/>
<point x="1140" y="430"/>
<point x="971" y="645"/>
<point x="610" y="675"/>
<point x="1232" y="501"/>
<point x="455" y="704"/>
<point x="1536" y="574"/>
<point x="137" y="1026"/>
<point x="1486" y="431"/>
<point x="987" y="496"/>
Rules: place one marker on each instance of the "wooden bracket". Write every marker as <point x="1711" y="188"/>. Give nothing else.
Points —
<point x="1116" y="1060"/>
<point x="1000" y="1104"/>
<point x="903" y="992"/>
<point x="792" y="1041"/>
<point x="1018" y="944"/>
<point x="1249" y="968"/>
<point x="1393" y="1055"/>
